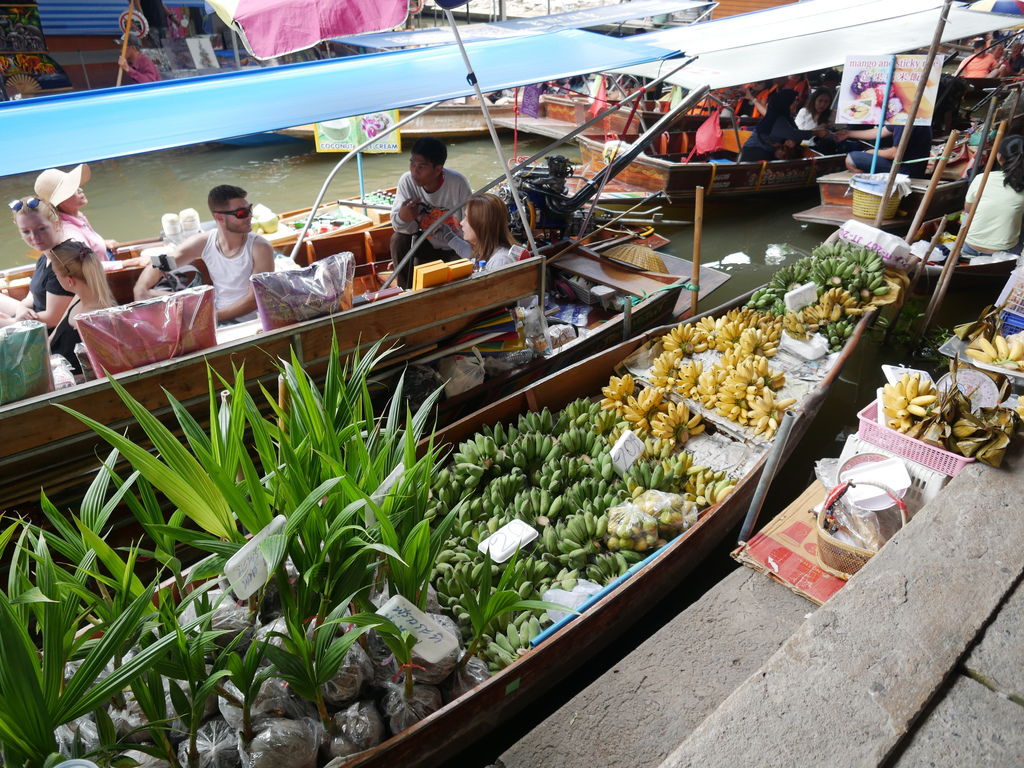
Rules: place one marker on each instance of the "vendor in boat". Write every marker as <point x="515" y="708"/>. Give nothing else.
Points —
<point x="135" y="64"/>
<point x="817" y="113"/>
<point x="64" y="191"/>
<point x="425" y="192"/>
<point x="1000" y="211"/>
<point x="915" y="158"/>
<point x="485" y="228"/>
<point x="231" y="252"/>
<point x="776" y="136"/>
<point x="39" y="225"/>
<point x="79" y="271"/>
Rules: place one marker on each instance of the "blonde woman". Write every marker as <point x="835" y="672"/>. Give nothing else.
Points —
<point x="485" y="228"/>
<point x="38" y="224"/>
<point x="79" y="271"/>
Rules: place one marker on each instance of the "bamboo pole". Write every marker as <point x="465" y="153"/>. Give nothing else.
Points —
<point x="698" y="233"/>
<point x="124" y="40"/>
<point x="954" y="254"/>
<point x="919" y="270"/>
<point x="912" y="112"/>
<point x="940" y="166"/>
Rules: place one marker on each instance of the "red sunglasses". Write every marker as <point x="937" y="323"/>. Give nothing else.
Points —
<point x="238" y="213"/>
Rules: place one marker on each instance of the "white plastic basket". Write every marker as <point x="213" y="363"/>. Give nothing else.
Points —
<point x="925" y="483"/>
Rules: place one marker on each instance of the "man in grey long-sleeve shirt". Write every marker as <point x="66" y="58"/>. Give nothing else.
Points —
<point x="425" y="192"/>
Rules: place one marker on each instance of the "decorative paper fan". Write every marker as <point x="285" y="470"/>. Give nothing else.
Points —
<point x="26" y="85"/>
<point x="639" y="256"/>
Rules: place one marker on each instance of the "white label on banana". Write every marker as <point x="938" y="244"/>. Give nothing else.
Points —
<point x="435" y="642"/>
<point x="247" y="570"/>
<point x="506" y="540"/>
<point x="627" y="449"/>
<point x="801" y="296"/>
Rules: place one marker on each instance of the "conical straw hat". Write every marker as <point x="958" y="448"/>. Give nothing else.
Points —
<point x="639" y="256"/>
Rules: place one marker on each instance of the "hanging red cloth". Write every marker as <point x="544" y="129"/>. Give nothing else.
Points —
<point x="600" y="100"/>
<point x="708" y="137"/>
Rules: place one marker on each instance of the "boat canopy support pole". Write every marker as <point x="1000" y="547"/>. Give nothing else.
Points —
<point x="912" y="113"/>
<point x="345" y="159"/>
<point x="881" y="119"/>
<point x="965" y="226"/>
<point x="471" y="77"/>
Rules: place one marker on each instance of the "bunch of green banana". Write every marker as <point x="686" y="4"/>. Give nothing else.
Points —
<point x="541" y="421"/>
<point x="581" y="441"/>
<point x="592" y="495"/>
<point x="830" y="251"/>
<point x="606" y="422"/>
<point x="579" y="413"/>
<point x="531" y="451"/>
<point x="763" y="298"/>
<point x="537" y="506"/>
<point x="502" y="434"/>
<point x="793" y="276"/>
<point x="837" y="334"/>
<point x="606" y="567"/>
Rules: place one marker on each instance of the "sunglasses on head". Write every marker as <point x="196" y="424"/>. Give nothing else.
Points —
<point x="17" y="205"/>
<point x="238" y="213"/>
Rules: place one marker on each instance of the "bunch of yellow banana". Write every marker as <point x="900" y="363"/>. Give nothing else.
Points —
<point x="685" y="338"/>
<point x="745" y="316"/>
<point x="664" y="372"/>
<point x="642" y="409"/>
<point x="686" y="379"/>
<point x="605" y="421"/>
<point x="766" y="412"/>
<point x="676" y="424"/>
<point x="835" y="303"/>
<point x="708" y="384"/>
<point x="657" y="448"/>
<point x="732" y="404"/>
<point x="706" y="329"/>
<point x="616" y="392"/>
<point x="728" y="334"/>
<point x="755" y="371"/>
<point x="999" y="351"/>
<point x="757" y="341"/>
<point x="798" y="325"/>
<point x="908" y="401"/>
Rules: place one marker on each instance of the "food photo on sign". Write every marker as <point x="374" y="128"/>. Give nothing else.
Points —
<point x="862" y="92"/>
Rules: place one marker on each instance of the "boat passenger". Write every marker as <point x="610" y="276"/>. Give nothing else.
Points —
<point x="78" y="269"/>
<point x="816" y="111"/>
<point x="755" y="99"/>
<point x="979" y="64"/>
<point x="64" y="191"/>
<point x="777" y="137"/>
<point x="485" y="227"/>
<point x="136" y="64"/>
<point x="1000" y="211"/>
<point x="1014" y="61"/>
<point x="915" y="158"/>
<point x="40" y="228"/>
<point x="231" y="252"/>
<point x="426" y="192"/>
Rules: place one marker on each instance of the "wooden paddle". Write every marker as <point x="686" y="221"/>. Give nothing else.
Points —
<point x="124" y="40"/>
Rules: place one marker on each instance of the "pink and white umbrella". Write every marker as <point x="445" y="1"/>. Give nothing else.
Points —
<point x="272" y="28"/>
<point x="1010" y="7"/>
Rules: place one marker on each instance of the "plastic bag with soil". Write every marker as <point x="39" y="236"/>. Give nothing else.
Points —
<point x="435" y="673"/>
<point x="216" y="746"/>
<point x="465" y="679"/>
<point x="144" y="760"/>
<point x="345" y="686"/>
<point x="79" y="737"/>
<point x="274" y="699"/>
<point x="402" y="712"/>
<point x="283" y="743"/>
<point x="384" y="665"/>
<point x="357" y="728"/>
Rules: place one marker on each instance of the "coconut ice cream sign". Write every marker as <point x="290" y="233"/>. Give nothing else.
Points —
<point x="869" y="87"/>
<point x="347" y="133"/>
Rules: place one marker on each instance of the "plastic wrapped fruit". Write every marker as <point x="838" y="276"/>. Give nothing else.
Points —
<point x="631" y="528"/>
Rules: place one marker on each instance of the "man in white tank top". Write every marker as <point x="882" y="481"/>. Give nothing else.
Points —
<point x="231" y="253"/>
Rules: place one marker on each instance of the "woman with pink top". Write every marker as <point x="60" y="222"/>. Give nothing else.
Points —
<point x="64" y="192"/>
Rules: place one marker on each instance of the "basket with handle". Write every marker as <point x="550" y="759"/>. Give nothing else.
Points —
<point x="835" y="556"/>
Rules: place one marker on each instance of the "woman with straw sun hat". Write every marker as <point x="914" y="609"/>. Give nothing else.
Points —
<point x="63" y="190"/>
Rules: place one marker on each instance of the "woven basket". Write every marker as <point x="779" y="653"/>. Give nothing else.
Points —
<point x="866" y="205"/>
<point x="639" y="256"/>
<point x="837" y="557"/>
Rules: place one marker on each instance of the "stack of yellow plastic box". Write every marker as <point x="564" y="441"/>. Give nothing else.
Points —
<point x="438" y="272"/>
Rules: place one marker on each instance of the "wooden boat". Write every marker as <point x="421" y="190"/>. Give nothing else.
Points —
<point x="441" y="735"/>
<point x="443" y="121"/>
<point x="968" y="272"/>
<point x="837" y="203"/>
<point x="664" y="169"/>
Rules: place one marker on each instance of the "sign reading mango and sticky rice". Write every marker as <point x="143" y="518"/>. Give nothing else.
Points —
<point x="862" y="92"/>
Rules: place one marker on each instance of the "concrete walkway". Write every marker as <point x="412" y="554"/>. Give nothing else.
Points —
<point x="917" y="661"/>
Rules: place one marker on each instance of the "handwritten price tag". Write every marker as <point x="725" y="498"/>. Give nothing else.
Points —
<point x="435" y="642"/>
<point x="506" y="540"/>
<point x="627" y="449"/>
<point x="247" y="570"/>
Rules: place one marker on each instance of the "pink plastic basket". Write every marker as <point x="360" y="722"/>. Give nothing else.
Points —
<point x="907" y="447"/>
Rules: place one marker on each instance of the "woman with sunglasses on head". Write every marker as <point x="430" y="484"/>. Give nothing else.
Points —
<point x="231" y="252"/>
<point x="78" y="269"/>
<point x="485" y="228"/>
<point x="39" y="226"/>
<point x="64" y="192"/>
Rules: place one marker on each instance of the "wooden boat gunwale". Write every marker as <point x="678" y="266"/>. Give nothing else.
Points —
<point x="443" y="733"/>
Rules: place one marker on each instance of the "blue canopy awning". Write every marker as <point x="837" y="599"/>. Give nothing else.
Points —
<point x="71" y="128"/>
<point x="587" y="17"/>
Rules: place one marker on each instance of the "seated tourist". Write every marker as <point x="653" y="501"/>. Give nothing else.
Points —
<point x="915" y="158"/>
<point x="979" y="64"/>
<point x="79" y="271"/>
<point x="485" y="228"/>
<point x="64" y="191"/>
<point x="776" y="136"/>
<point x="231" y="252"/>
<point x="1000" y="211"/>
<point x="40" y="227"/>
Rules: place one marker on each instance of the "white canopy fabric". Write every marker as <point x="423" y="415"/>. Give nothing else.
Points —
<point x="581" y="19"/>
<point x="804" y="37"/>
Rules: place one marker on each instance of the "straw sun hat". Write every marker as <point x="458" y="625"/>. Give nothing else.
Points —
<point x="55" y="186"/>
